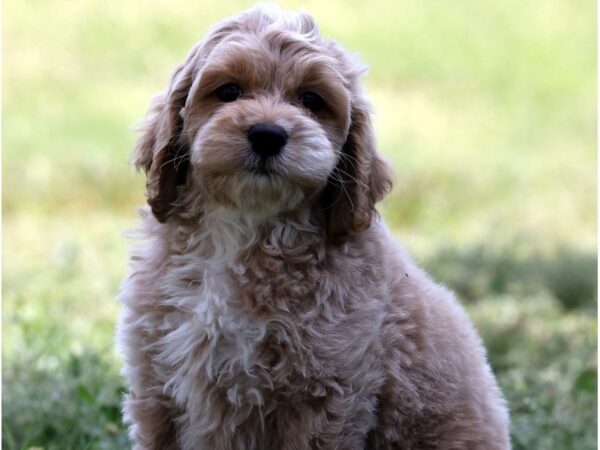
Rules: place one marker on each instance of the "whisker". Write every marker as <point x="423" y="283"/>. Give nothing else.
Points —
<point x="343" y="172"/>
<point x="339" y="182"/>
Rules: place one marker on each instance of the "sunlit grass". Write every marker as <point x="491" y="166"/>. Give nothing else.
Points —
<point x="486" y="110"/>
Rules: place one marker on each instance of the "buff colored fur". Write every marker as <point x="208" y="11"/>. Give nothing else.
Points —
<point x="277" y="312"/>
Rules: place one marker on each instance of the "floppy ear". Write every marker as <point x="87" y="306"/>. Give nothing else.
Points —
<point x="360" y="179"/>
<point x="162" y="151"/>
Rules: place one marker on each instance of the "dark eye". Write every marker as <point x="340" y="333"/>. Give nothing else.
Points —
<point x="312" y="101"/>
<point x="229" y="92"/>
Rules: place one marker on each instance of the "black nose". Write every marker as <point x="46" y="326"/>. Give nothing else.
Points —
<point x="267" y="139"/>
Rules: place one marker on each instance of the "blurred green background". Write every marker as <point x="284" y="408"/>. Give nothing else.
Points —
<point x="487" y="110"/>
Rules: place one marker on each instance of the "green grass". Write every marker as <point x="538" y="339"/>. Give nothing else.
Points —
<point x="487" y="111"/>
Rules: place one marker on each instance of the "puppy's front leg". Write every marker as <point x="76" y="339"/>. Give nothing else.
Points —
<point x="146" y="409"/>
<point x="151" y="422"/>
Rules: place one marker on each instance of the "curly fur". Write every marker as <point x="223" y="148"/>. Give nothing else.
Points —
<point x="276" y="311"/>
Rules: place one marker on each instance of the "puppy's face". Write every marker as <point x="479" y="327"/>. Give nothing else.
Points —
<point x="264" y="116"/>
<point x="268" y="117"/>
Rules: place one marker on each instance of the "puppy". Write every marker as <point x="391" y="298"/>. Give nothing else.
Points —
<point x="268" y="306"/>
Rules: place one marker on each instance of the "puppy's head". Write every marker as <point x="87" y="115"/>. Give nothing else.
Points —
<point x="264" y="116"/>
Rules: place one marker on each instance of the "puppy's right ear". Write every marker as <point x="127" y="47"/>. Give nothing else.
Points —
<point x="162" y="151"/>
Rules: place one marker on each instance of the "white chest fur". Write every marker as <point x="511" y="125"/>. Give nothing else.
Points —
<point x="210" y="338"/>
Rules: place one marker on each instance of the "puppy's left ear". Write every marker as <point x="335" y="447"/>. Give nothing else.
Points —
<point x="360" y="180"/>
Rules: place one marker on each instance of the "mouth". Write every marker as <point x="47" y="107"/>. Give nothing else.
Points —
<point x="263" y="167"/>
<point x="263" y="171"/>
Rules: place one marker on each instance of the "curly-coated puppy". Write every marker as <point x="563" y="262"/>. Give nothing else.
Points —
<point x="269" y="307"/>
